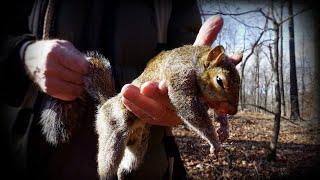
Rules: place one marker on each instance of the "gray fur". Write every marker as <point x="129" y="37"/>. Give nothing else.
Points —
<point x="59" y="119"/>
<point x="114" y="126"/>
<point x="99" y="82"/>
<point x="185" y="97"/>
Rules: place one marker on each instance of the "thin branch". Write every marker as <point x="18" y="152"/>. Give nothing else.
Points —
<point x="276" y="14"/>
<point x="266" y="55"/>
<point x="253" y="47"/>
<point x="269" y="111"/>
<point x="232" y="14"/>
<point x="247" y="25"/>
<point x="260" y="43"/>
<point x="259" y="10"/>
<point x="299" y="12"/>
<point x="271" y="57"/>
<point x="266" y="40"/>
<point x="266" y="16"/>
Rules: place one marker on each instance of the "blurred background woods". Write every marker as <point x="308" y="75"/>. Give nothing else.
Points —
<point x="256" y="26"/>
<point x="276" y="130"/>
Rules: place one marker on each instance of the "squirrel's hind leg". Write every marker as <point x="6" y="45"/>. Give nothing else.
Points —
<point x="112" y="129"/>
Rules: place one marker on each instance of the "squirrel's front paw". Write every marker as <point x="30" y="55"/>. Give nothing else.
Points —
<point x="215" y="149"/>
<point x="223" y="133"/>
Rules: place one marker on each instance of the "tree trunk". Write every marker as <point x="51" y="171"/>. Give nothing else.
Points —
<point x="257" y="78"/>
<point x="242" y="87"/>
<point x="242" y="80"/>
<point x="277" y="109"/>
<point x="266" y="89"/>
<point x="283" y="102"/>
<point x="294" y="100"/>
<point x="266" y="97"/>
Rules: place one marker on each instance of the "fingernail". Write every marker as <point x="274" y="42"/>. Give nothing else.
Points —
<point x="149" y="85"/>
<point x="130" y="91"/>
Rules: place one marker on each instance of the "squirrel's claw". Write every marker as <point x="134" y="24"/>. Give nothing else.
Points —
<point x="215" y="149"/>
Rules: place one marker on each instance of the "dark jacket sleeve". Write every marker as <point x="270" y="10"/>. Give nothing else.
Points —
<point x="13" y="78"/>
<point x="184" y="23"/>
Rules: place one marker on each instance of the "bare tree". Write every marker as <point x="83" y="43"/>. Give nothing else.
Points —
<point x="274" y="57"/>
<point x="294" y="99"/>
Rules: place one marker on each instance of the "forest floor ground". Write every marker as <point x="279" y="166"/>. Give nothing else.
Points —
<point x="243" y="155"/>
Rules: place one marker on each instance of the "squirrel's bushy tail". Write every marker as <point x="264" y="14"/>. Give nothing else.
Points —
<point x="61" y="119"/>
<point x="99" y="83"/>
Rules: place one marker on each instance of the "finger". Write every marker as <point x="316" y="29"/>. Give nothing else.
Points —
<point x="65" y="74"/>
<point x="152" y="90"/>
<point x="141" y="114"/>
<point x="153" y="111"/>
<point x="62" y="89"/>
<point x="236" y="58"/>
<point x="73" y="60"/>
<point x="136" y="110"/>
<point x="209" y="31"/>
<point x="151" y="107"/>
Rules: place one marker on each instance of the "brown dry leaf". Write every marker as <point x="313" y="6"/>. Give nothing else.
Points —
<point x="243" y="156"/>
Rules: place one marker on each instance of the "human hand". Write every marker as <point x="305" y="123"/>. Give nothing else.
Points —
<point x="57" y="67"/>
<point x="151" y="102"/>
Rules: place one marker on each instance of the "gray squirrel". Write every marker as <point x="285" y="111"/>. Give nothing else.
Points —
<point x="197" y="77"/>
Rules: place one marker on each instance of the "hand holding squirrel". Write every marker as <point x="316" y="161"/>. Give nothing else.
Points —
<point x="57" y="67"/>
<point x="151" y="101"/>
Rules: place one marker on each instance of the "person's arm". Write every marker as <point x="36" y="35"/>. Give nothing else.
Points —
<point x="14" y="33"/>
<point x="55" y="66"/>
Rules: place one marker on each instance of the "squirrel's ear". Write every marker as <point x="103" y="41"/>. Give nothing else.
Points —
<point x="216" y="56"/>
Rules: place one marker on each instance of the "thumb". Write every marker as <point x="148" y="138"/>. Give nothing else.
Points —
<point x="209" y="31"/>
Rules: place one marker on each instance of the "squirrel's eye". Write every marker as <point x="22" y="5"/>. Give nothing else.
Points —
<point x="220" y="81"/>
